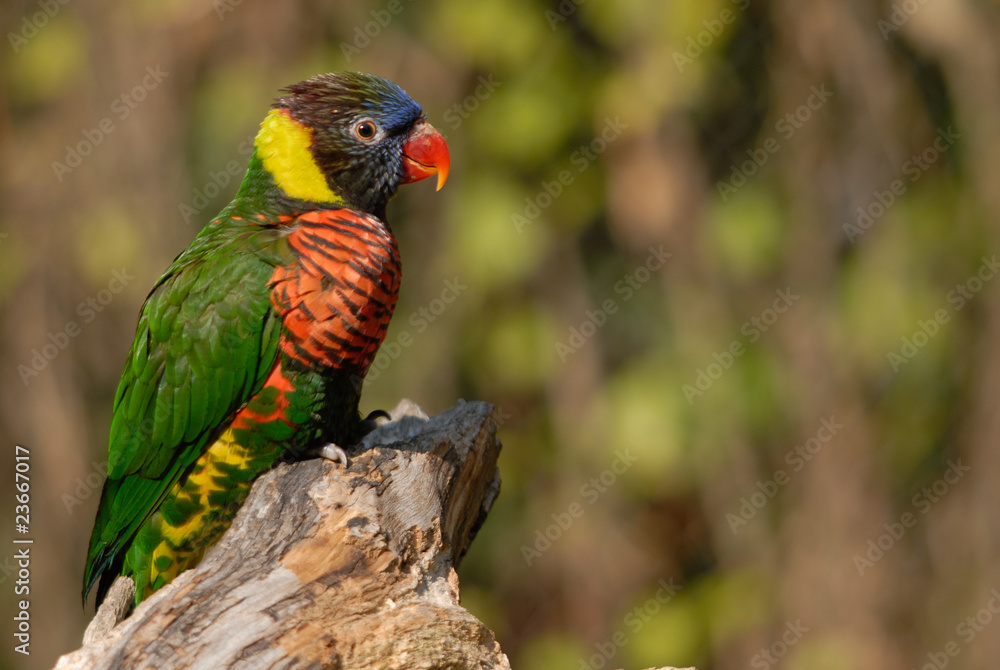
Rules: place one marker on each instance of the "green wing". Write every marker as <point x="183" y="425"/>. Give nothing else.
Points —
<point x="206" y="340"/>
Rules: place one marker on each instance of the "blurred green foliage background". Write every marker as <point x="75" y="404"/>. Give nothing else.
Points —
<point x="725" y="268"/>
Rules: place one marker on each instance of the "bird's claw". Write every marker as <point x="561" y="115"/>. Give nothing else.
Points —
<point x="370" y="422"/>
<point x="332" y="452"/>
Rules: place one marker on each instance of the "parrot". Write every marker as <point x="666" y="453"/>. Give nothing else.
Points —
<point x="249" y="349"/>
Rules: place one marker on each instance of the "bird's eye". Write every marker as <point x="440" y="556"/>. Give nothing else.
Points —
<point x="365" y="130"/>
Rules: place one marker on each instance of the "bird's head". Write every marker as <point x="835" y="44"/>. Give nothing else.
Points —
<point x="349" y="138"/>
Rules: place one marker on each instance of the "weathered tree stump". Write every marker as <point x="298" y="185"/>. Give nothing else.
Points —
<point x="327" y="568"/>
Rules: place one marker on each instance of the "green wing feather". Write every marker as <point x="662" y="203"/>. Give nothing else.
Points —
<point x="206" y="340"/>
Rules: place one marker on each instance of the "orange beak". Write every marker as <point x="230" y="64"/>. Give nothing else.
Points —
<point x="424" y="154"/>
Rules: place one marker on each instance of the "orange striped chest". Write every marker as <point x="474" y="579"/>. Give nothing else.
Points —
<point x="337" y="295"/>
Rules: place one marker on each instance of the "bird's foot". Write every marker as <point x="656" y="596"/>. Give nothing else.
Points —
<point x="332" y="452"/>
<point x="335" y="453"/>
<point x="370" y="422"/>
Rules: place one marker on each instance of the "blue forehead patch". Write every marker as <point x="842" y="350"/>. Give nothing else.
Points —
<point x="390" y="105"/>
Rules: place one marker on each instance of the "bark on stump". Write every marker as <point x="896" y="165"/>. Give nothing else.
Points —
<point x="327" y="568"/>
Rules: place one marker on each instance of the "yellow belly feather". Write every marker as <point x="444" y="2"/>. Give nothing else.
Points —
<point x="184" y="545"/>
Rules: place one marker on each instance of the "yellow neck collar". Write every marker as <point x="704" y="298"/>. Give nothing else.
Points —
<point x="283" y="147"/>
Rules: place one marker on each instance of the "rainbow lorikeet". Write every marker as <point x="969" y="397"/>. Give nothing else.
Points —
<point x="249" y="349"/>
